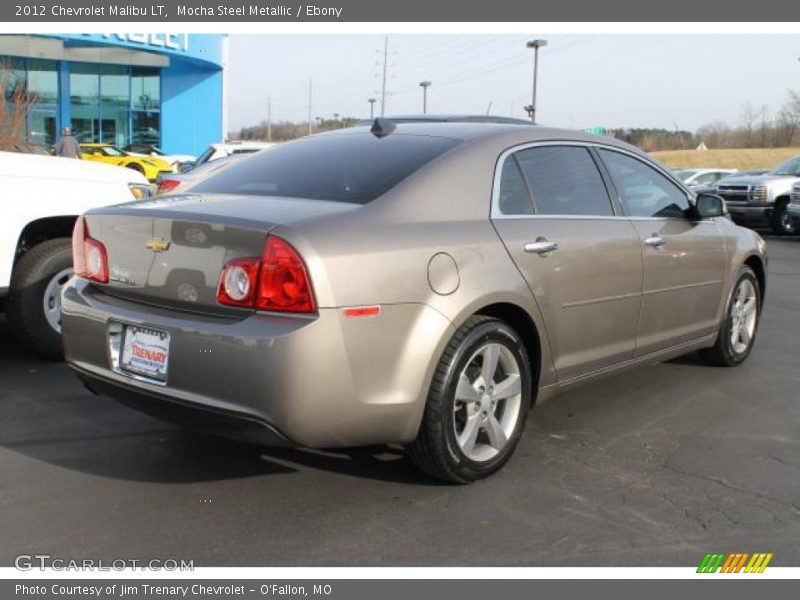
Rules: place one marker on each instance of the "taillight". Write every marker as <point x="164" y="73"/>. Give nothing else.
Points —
<point x="237" y="282"/>
<point x="167" y="185"/>
<point x="89" y="257"/>
<point x="277" y="282"/>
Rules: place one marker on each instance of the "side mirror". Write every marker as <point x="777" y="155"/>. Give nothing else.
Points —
<point x="708" y="206"/>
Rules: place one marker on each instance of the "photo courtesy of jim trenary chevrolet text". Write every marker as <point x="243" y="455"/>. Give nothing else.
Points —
<point x="354" y="299"/>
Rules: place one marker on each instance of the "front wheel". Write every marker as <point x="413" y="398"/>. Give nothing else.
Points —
<point x="738" y="330"/>
<point x="782" y="223"/>
<point x="33" y="310"/>
<point x="477" y="404"/>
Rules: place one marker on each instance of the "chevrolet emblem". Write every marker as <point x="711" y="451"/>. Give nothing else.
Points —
<point x="157" y="245"/>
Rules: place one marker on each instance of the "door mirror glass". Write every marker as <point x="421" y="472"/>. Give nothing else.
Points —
<point x="709" y="206"/>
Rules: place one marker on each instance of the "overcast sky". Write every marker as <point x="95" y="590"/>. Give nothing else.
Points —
<point x="584" y="80"/>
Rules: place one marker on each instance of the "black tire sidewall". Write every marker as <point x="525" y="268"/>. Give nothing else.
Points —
<point x="24" y="309"/>
<point x="492" y="331"/>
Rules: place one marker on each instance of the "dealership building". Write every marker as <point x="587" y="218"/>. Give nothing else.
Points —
<point x="167" y="90"/>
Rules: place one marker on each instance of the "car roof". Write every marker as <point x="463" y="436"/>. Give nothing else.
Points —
<point x="449" y="118"/>
<point x="509" y="134"/>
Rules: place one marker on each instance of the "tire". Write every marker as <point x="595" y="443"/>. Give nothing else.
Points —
<point x="782" y="223"/>
<point x="448" y="416"/>
<point x="44" y="269"/>
<point x="726" y="352"/>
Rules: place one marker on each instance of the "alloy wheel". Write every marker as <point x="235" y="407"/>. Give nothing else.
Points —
<point x="487" y="403"/>
<point x="744" y="314"/>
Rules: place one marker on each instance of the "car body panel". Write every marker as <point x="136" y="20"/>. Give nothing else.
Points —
<point x="150" y="167"/>
<point x="429" y="255"/>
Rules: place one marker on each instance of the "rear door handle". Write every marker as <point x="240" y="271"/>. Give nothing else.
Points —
<point x="655" y="241"/>
<point x="541" y="247"/>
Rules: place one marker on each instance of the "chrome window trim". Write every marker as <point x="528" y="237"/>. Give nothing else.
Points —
<point x="495" y="212"/>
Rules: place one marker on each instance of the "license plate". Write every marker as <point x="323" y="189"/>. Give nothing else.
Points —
<point x="145" y="351"/>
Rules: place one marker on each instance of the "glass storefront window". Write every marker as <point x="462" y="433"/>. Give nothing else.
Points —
<point x="145" y="88"/>
<point x="115" y="100"/>
<point x="43" y="81"/>
<point x="84" y="92"/>
<point x="146" y="128"/>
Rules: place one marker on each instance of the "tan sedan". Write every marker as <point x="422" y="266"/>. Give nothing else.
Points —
<point x="414" y="283"/>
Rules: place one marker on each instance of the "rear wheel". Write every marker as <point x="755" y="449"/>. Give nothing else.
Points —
<point x="477" y="404"/>
<point x="738" y="330"/>
<point x="33" y="309"/>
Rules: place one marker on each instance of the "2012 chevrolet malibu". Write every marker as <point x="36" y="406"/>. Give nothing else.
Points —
<point x="416" y="283"/>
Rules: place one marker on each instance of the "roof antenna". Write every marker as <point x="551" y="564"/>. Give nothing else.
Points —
<point x="382" y="127"/>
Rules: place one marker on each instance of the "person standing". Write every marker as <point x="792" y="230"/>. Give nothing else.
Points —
<point x="67" y="146"/>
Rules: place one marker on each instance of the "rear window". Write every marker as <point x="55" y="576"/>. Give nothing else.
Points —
<point x="352" y="168"/>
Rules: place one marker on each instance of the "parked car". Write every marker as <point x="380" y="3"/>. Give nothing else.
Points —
<point x="793" y="210"/>
<point x="421" y="284"/>
<point x="217" y="151"/>
<point x="43" y="195"/>
<point x="696" y="178"/>
<point x="762" y="200"/>
<point x="170" y="183"/>
<point x="106" y="153"/>
<point x="174" y="160"/>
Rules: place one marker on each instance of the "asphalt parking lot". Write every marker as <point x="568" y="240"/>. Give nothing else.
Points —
<point x="652" y="468"/>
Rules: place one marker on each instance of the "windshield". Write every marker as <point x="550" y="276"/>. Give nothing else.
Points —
<point x="111" y="151"/>
<point x="790" y="168"/>
<point x="354" y="168"/>
<point x="684" y="174"/>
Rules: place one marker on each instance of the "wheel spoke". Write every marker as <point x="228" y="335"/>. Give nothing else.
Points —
<point x="467" y="438"/>
<point x="749" y="306"/>
<point x="497" y="437"/>
<point x="491" y="355"/>
<point x="510" y="386"/>
<point x="465" y="391"/>
<point x="744" y="335"/>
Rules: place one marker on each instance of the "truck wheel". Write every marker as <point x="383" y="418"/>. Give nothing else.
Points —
<point x="477" y="403"/>
<point x="33" y="310"/>
<point x="782" y="223"/>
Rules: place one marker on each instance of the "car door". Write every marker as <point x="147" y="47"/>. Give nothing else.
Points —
<point x="583" y="264"/>
<point x="684" y="257"/>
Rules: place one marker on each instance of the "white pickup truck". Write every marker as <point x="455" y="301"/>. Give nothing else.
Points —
<point x="41" y="198"/>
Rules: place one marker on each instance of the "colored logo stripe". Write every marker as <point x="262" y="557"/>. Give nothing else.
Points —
<point x="734" y="562"/>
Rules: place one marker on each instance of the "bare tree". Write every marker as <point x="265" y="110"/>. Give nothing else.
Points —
<point x="15" y="103"/>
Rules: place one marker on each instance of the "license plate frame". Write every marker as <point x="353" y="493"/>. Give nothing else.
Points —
<point x="144" y="352"/>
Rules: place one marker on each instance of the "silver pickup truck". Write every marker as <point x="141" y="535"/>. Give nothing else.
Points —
<point x="763" y="200"/>
<point x="794" y="206"/>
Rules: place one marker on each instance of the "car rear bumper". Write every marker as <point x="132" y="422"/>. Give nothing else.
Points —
<point x="318" y="381"/>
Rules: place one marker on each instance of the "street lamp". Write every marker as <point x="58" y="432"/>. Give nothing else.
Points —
<point x="424" y="85"/>
<point x="372" y="102"/>
<point x="535" y="44"/>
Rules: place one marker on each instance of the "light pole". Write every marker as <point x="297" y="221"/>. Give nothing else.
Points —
<point x="372" y="102"/>
<point x="535" y="44"/>
<point x="425" y="85"/>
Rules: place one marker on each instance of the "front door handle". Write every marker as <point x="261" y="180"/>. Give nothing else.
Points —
<point x="655" y="241"/>
<point x="541" y="247"/>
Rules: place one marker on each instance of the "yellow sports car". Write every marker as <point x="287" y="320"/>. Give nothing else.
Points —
<point x="148" y="166"/>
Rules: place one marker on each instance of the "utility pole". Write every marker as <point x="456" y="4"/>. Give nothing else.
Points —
<point x="269" y="118"/>
<point x="310" y="106"/>
<point x="535" y="44"/>
<point x="385" y="67"/>
<point x="372" y="102"/>
<point x="425" y="85"/>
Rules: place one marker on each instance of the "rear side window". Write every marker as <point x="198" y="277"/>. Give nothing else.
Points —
<point x="354" y="168"/>
<point x="515" y="199"/>
<point x="564" y="180"/>
<point x="643" y="191"/>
